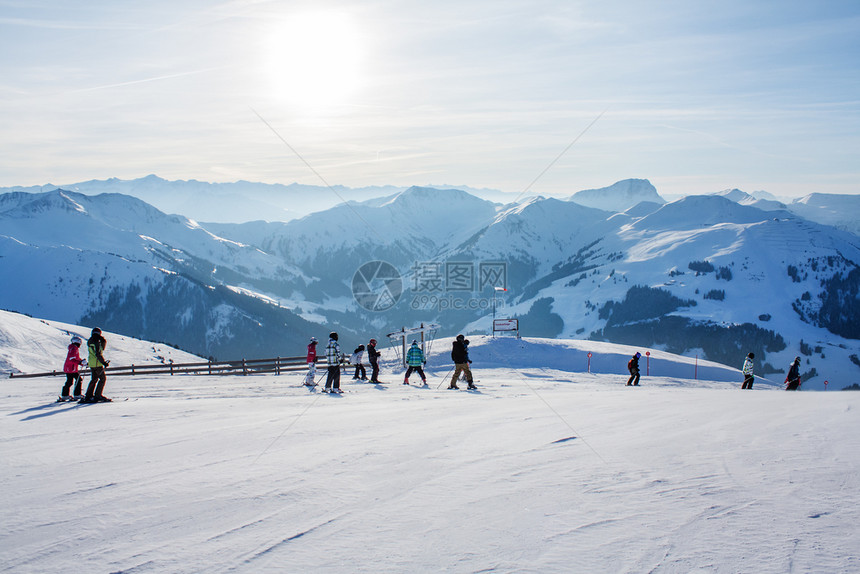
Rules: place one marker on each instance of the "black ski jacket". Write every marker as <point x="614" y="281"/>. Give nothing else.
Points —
<point x="372" y="354"/>
<point x="459" y="354"/>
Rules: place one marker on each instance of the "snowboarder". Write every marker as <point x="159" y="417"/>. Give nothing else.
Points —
<point x="312" y="363"/>
<point x="70" y="367"/>
<point x="748" y="372"/>
<point x="95" y="391"/>
<point x="633" y="367"/>
<point x="460" y="356"/>
<point x="414" y="361"/>
<point x="355" y="359"/>
<point x="373" y="356"/>
<point x="333" y="358"/>
<point x="792" y="381"/>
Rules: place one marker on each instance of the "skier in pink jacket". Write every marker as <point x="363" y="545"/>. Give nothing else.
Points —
<point x="70" y="367"/>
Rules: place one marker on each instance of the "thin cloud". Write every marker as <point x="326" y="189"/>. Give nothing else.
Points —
<point x="64" y="24"/>
<point x="145" y="80"/>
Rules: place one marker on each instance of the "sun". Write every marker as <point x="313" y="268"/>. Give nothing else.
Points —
<point x="313" y="59"/>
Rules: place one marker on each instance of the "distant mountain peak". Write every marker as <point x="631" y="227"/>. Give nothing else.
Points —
<point x="619" y="196"/>
<point x="417" y="195"/>
<point x="734" y="194"/>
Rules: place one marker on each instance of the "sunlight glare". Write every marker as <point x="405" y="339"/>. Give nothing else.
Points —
<point x="313" y="59"/>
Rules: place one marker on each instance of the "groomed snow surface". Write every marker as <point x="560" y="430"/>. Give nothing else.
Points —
<point x="540" y="470"/>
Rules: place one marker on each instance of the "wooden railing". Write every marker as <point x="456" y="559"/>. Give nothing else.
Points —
<point x="277" y="365"/>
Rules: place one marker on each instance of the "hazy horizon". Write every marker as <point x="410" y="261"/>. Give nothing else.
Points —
<point x="549" y="97"/>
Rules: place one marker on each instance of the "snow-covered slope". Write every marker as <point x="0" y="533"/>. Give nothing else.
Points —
<point x="841" y="211"/>
<point x="31" y="345"/>
<point x="540" y="470"/>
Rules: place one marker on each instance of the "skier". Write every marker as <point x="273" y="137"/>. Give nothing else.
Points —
<point x="633" y="367"/>
<point x="468" y="362"/>
<point x="460" y="356"/>
<point x="414" y="360"/>
<point x="96" y="345"/>
<point x="748" y="372"/>
<point x="373" y="356"/>
<point x="333" y="358"/>
<point x="70" y="367"/>
<point x="355" y="359"/>
<point x="312" y="363"/>
<point x="792" y="381"/>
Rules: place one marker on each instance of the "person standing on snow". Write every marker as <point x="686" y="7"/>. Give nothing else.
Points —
<point x="460" y="356"/>
<point x="633" y="367"/>
<point x="468" y="362"/>
<point x="373" y="356"/>
<point x="414" y="360"/>
<point x="312" y="363"/>
<point x="96" y="345"/>
<point x="748" y="372"/>
<point x="333" y="358"/>
<point x="355" y="359"/>
<point x="70" y="367"/>
<point x="792" y="381"/>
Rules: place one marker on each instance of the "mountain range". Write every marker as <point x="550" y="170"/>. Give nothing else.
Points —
<point x="244" y="201"/>
<point x="714" y="276"/>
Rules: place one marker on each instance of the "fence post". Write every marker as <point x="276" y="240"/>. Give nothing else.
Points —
<point x="278" y="366"/>
<point x="244" y="367"/>
<point x="132" y="370"/>
<point x="210" y="366"/>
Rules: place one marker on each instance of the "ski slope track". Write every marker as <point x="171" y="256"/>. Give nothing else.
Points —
<point x="545" y="468"/>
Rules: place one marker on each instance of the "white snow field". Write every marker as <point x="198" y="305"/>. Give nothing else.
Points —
<point x="543" y="469"/>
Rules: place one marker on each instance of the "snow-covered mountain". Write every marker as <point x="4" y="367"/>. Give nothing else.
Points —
<point x="619" y="196"/>
<point x="712" y="275"/>
<point x="116" y="261"/>
<point x="240" y="201"/>
<point x="744" y="198"/>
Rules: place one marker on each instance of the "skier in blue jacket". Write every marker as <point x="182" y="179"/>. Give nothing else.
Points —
<point x="414" y="361"/>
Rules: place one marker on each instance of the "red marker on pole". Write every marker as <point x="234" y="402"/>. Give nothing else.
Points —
<point x="648" y="363"/>
<point x="825" y="385"/>
<point x="589" y="362"/>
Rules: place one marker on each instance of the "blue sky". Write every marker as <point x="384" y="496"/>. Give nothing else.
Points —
<point x="695" y="96"/>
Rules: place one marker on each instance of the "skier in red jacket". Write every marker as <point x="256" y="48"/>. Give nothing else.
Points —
<point x="312" y="363"/>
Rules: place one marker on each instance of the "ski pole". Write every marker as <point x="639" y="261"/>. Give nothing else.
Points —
<point x="445" y="377"/>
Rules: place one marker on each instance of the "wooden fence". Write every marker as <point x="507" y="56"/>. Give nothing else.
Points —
<point x="277" y="366"/>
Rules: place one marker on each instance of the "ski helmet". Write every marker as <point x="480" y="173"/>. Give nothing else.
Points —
<point x="76" y="340"/>
<point x="332" y="335"/>
<point x="638" y="354"/>
<point x="373" y="341"/>
<point x="460" y="337"/>
<point x="97" y="331"/>
<point x="414" y="341"/>
<point x="313" y="339"/>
